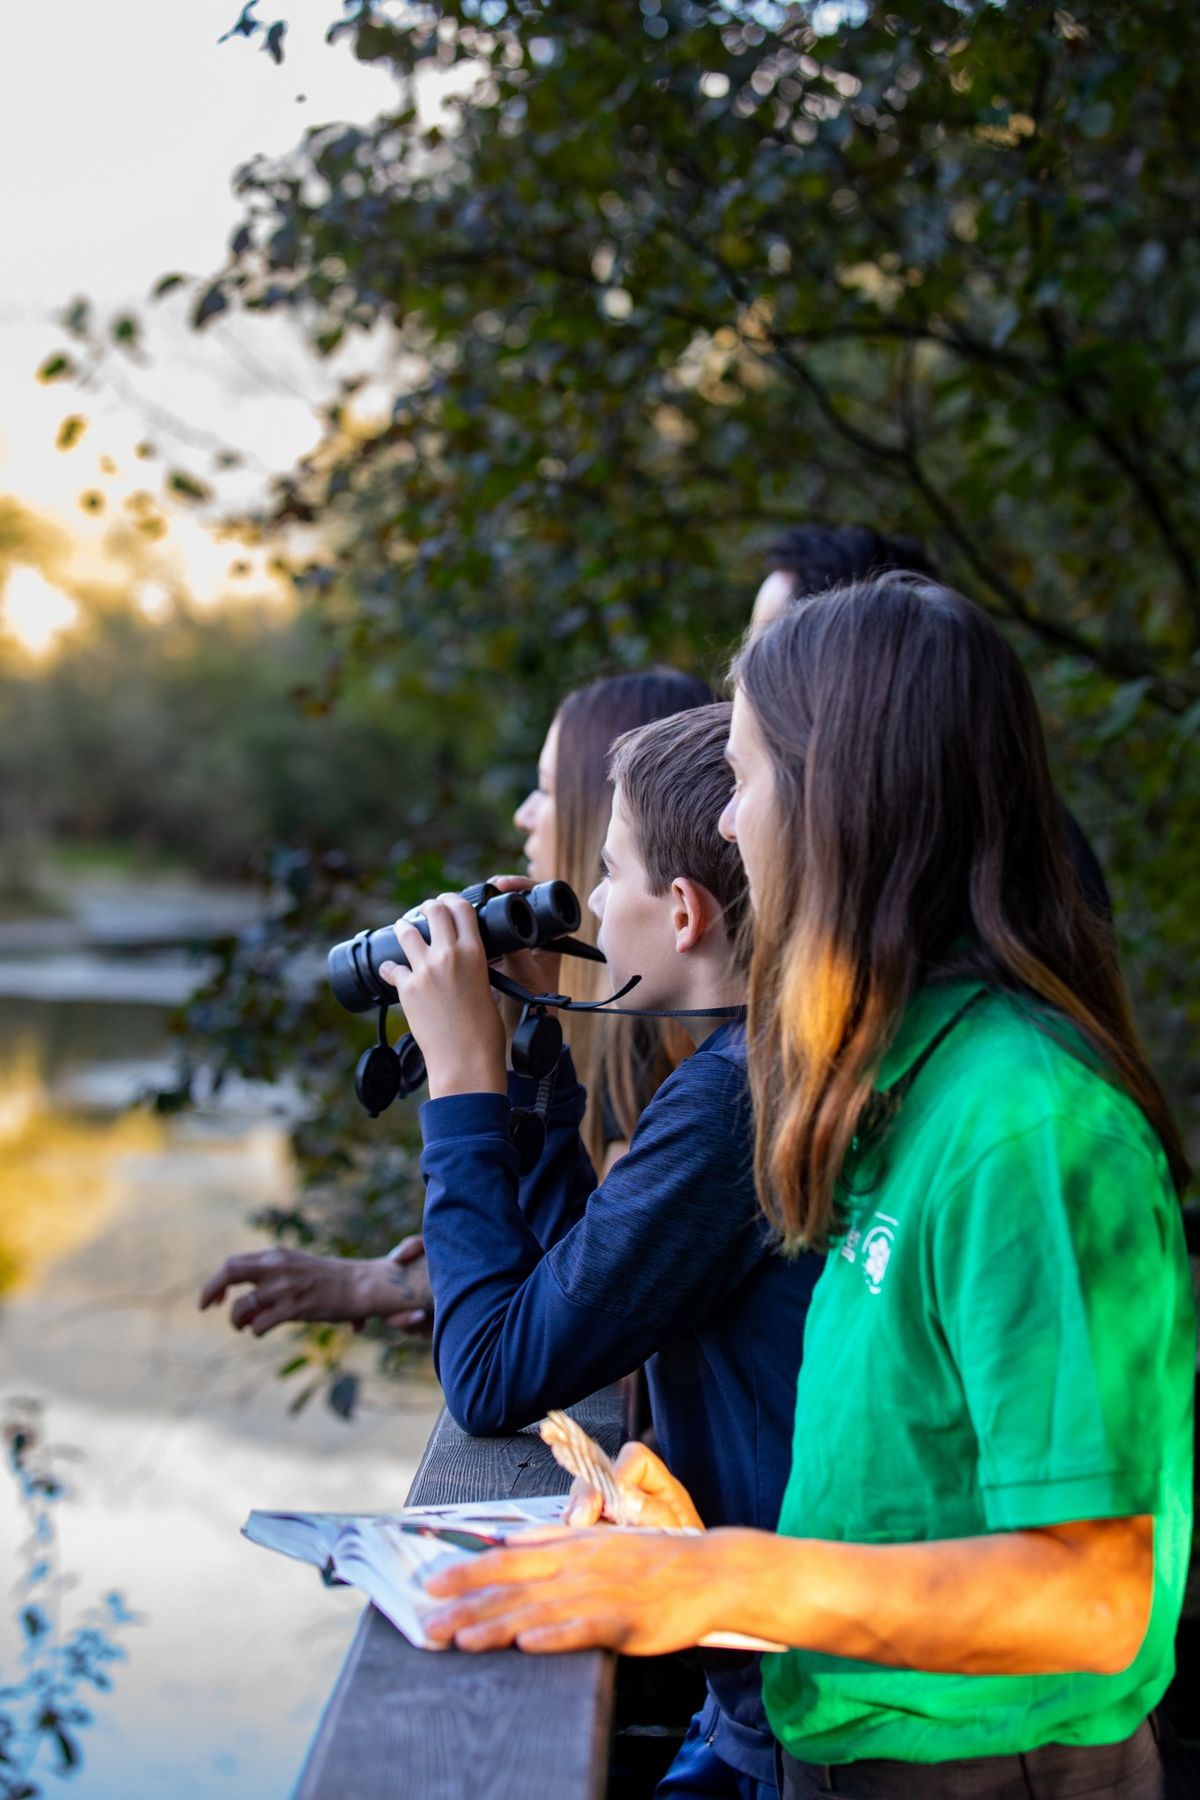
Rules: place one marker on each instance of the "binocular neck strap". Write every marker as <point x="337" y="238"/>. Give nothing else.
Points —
<point x="570" y="946"/>
<point x="564" y="1002"/>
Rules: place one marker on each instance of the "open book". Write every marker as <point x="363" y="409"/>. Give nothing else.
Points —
<point x="389" y="1555"/>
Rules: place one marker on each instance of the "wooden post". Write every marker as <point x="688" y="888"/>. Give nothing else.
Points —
<point x="406" y="1724"/>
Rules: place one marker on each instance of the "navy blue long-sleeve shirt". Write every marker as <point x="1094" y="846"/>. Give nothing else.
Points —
<point x="549" y="1288"/>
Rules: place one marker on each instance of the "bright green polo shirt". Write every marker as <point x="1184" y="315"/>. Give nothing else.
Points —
<point x="1003" y="1338"/>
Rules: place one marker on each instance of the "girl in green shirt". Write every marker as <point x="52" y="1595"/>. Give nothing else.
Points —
<point x="982" y="1548"/>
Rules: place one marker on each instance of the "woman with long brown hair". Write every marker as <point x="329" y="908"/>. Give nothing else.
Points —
<point x="621" y="1062"/>
<point x="983" y="1544"/>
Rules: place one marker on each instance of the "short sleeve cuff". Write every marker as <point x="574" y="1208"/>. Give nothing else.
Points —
<point x="1114" y="1494"/>
<point x="465" y="1115"/>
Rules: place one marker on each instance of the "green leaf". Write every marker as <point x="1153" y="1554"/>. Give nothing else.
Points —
<point x="301" y="1400"/>
<point x="70" y="432"/>
<point x="245" y="25"/>
<point x="343" y="1396"/>
<point x="56" y="368"/>
<point x="187" y="487"/>
<point x="78" y="318"/>
<point x="211" y="302"/>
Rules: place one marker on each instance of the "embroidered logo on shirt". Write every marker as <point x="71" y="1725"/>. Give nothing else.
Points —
<point x="876" y="1247"/>
<point x="877" y="1250"/>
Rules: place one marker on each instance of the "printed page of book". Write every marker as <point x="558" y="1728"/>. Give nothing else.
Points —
<point x="389" y="1555"/>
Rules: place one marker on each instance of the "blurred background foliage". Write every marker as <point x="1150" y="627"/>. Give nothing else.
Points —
<point x="652" y="284"/>
<point x="200" y="737"/>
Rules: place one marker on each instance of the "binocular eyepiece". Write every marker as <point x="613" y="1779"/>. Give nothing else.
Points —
<point x="507" y="922"/>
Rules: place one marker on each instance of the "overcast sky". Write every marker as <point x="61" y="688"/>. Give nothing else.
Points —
<point x="120" y="126"/>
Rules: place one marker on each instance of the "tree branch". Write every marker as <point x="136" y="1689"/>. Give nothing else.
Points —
<point x="1136" y="472"/>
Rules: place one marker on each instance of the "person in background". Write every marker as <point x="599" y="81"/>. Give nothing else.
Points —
<point x="550" y="1285"/>
<point x="983" y="1544"/>
<point x="622" y="1061"/>
<point x="809" y="558"/>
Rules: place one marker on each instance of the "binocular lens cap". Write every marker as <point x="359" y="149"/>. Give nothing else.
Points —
<point x="377" y="1079"/>
<point x="528" y="1133"/>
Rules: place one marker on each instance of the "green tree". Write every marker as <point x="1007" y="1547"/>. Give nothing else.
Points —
<point x="201" y="734"/>
<point x="653" y="283"/>
<point x="659" y="281"/>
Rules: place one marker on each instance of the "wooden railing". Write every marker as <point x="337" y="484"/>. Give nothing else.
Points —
<point x="406" y="1724"/>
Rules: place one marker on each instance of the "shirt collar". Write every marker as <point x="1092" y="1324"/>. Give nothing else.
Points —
<point x="929" y="1009"/>
<point x="720" y="1036"/>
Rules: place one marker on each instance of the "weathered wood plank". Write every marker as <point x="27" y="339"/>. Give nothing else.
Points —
<point x="406" y="1724"/>
<point x="458" y="1467"/>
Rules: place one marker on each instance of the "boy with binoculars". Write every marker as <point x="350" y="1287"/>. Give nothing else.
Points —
<point x="549" y="1286"/>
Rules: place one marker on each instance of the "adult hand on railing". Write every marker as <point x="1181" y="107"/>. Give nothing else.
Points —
<point x="408" y="1276"/>
<point x="659" y="1500"/>
<point x="286" y="1285"/>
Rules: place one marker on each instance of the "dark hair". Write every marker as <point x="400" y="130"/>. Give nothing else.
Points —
<point x="919" y="838"/>
<point x="825" y="556"/>
<point x="674" y="781"/>
<point x="621" y="1062"/>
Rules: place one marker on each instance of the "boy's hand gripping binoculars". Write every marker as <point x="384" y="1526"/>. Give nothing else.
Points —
<point x="541" y="918"/>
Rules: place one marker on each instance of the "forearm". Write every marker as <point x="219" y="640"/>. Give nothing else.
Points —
<point x="509" y="1341"/>
<point x="384" y="1286"/>
<point x="1075" y="1598"/>
<point x="480" y="1254"/>
<point x="508" y="1344"/>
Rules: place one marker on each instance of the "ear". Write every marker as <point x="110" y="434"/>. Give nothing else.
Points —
<point x="693" y="910"/>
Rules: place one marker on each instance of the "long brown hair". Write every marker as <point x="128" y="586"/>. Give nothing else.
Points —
<point x="621" y="1062"/>
<point x="919" y="838"/>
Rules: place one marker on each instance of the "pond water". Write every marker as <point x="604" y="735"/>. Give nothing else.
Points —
<point x="109" y="1221"/>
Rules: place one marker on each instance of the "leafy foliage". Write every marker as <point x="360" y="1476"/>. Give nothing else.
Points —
<point x="248" y="25"/>
<point x="205" y="734"/>
<point x="41" y="1709"/>
<point x="648" y="286"/>
<point x="942" y="260"/>
<point x="653" y="286"/>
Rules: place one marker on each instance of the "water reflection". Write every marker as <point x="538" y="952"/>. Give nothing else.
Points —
<point x="108" y="1222"/>
<point x="59" y="1170"/>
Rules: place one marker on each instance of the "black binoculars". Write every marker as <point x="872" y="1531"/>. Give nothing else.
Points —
<point x="507" y="922"/>
<point x="543" y="915"/>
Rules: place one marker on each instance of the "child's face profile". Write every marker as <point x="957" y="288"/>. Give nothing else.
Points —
<point x="537" y="814"/>
<point x="749" y="819"/>
<point x="635" y="933"/>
